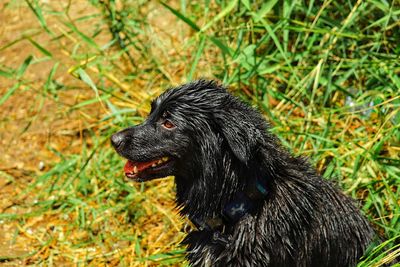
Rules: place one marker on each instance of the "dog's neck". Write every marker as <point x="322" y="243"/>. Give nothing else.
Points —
<point x="210" y="194"/>
<point x="243" y="203"/>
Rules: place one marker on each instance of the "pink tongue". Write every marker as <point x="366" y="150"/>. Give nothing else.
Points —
<point x="129" y="166"/>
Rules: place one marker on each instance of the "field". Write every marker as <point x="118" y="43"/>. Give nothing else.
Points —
<point x="326" y="74"/>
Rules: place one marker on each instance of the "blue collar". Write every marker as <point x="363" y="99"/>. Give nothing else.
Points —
<point x="242" y="204"/>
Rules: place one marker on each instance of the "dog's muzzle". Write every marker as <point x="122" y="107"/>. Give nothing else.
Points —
<point x="117" y="140"/>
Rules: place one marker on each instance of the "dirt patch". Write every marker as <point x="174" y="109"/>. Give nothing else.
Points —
<point x="33" y="122"/>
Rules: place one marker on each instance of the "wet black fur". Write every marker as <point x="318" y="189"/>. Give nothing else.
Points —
<point x="219" y="145"/>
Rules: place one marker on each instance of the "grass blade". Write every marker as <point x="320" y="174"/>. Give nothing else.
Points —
<point x="40" y="48"/>
<point x="83" y="36"/>
<point x="38" y="13"/>
<point x="9" y="93"/>
<point x="231" y="5"/>
<point x="181" y="16"/>
<point x="197" y="57"/>
<point x="86" y="79"/>
<point x="24" y="66"/>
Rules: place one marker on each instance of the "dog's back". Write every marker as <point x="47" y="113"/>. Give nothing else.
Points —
<point x="304" y="221"/>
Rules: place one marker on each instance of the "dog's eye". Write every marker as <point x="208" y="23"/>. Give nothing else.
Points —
<point x="168" y="125"/>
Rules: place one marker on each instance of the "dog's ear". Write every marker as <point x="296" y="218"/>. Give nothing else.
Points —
<point x="240" y="130"/>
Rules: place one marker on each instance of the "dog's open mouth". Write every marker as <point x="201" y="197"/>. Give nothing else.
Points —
<point x="139" y="170"/>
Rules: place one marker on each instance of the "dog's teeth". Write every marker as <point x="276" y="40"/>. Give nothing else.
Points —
<point x="135" y="169"/>
<point x="164" y="159"/>
<point x="153" y="165"/>
<point x="159" y="161"/>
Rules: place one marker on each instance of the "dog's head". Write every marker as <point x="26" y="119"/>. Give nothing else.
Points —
<point x="187" y="123"/>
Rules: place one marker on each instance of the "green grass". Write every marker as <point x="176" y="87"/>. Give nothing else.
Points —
<point x="325" y="74"/>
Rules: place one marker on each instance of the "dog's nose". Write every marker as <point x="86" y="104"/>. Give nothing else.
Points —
<point x="116" y="139"/>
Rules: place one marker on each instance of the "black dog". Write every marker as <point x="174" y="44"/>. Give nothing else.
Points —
<point x="253" y="203"/>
